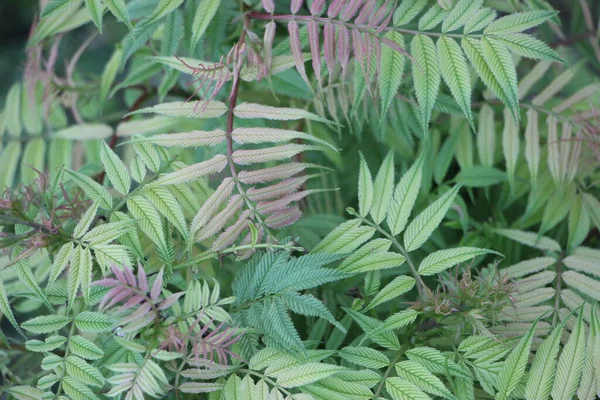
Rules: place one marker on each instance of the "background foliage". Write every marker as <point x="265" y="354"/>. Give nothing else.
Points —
<point x="299" y="200"/>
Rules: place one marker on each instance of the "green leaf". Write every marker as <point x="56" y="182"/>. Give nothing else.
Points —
<point x="502" y="67"/>
<point x="365" y="357"/>
<point x="426" y="75"/>
<point x="12" y="111"/>
<point x="486" y="136"/>
<point x="519" y="22"/>
<point x="432" y="18"/>
<point x="375" y="330"/>
<point x="84" y="372"/>
<point x="89" y="321"/>
<point x="77" y="390"/>
<point x="25" y="275"/>
<point x="427" y="221"/>
<point x="347" y="237"/>
<point x="510" y="146"/>
<point x="460" y="14"/>
<point x="455" y="72"/>
<point x="474" y="52"/>
<point x="407" y="11"/>
<point x="163" y="8"/>
<point x="436" y="362"/>
<point x="33" y="159"/>
<point x="96" y="10"/>
<point x="444" y="259"/>
<point x="404" y="198"/>
<point x="383" y="189"/>
<point x="205" y="12"/>
<point x="6" y="310"/>
<point x="9" y="159"/>
<point x="570" y="363"/>
<point x="481" y="176"/>
<point x="118" y="8"/>
<point x="480" y="20"/>
<point x="24" y="392"/>
<point x="306" y="373"/>
<point x="373" y="262"/>
<point x="391" y="68"/>
<point x="56" y="7"/>
<point x="46" y="323"/>
<point x="61" y="259"/>
<point x="85" y="221"/>
<point x="422" y="378"/>
<point x="398" y="286"/>
<point x="543" y="368"/>
<point x="530" y="239"/>
<point x="400" y="389"/>
<point x="117" y="172"/>
<point x="307" y="304"/>
<point x="92" y="189"/>
<point x="173" y="30"/>
<point x="83" y="348"/>
<point x="365" y="188"/>
<point x="51" y="343"/>
<point x="579" y="223"/>
<point x="148" y="219"/>
<point x="514" y="367"/>
<point x="530" y="47"/>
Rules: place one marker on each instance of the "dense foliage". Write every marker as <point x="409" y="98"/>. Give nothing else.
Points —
<point x="352" y="199"/>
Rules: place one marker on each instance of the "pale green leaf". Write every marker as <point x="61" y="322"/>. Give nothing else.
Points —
<point x="365" y="188"/>
<point x="398" y="286"/>
<point x="426" y="75"/>
<point x="444" y="259"/>
<point x="365" y="357"/>
<point x="422" y="378"/>
<point x="460" y="14"/>
<point x="530" y="239"/>
<point x="518" y="22"/>
<point x="205" y="12"/>
<point x="404" y="198"/>
<point x="383" y="189"/>
<point x="117" y="172"/>
<point x="570" y="363"/>
<point x="391" y="68"/>
<point x="401" y="389"/>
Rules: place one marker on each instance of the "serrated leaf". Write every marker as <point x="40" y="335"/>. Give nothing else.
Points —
<point x="84" y="132"/>
<point x="514" y="367"/>
<point x="163" y="8"/>
<point x="84" y="372"/>
<point x="365" y="188"/>
<point x="383" y="189"/>
<point x="25" y="392"/>
<point x="117" y="172"/>
<point x="444" y="259"/>
<point x="92" y="189"/>
<point x="365" y="357"/>
<point x="253" y="110"/>
<point x="455" y="72"/>
<point x="347" y="237"/>
<point x="432" y="18"/>
<point x="460" y="14"/>
<point x="570" y="363"/>
<point x="84" y="348"/>
<point x="96" y="10"/>
<point x="405" y="195"/>
<point x="46" y="323"/>
<point x="398" y="286"/>
<point x="407" y="11"/>
<point x="480" y="20"/>
<point x="518" y="22"/>
<point x="191" y="109"/>
<point x="205" y="12"/>
<point x="77" y="390"/>
<point x="166" y="204"/>
<point x="426" y="75"/>
<point x="419" y="230"/>
<point x="530" y="47"/>
<point x="118" y="8"/>
<point x="502" y="67"/>
<point x="88" y="321"/>
<point x="306" y="373"/>
<point x="51" y="343"/>
<point x="437" y="362"/>
<point x="86" y="220"/>
<point x="422" y="378"/>
<point x="373" y="262"/>
<point x="529" y="239"/>
<point x="401" y="389"/>
<point x="391" y="68"/>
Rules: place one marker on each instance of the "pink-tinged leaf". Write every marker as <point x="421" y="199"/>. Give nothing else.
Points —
<point x="335" y="7"/>
<point x="359" y="53"/>
<point x="296" y="48"/>
<point x="106" y="282"/>
<point x="277" y="190"/>
<point x="132" y="301"/>
<point x="368" y="53"/>
<point x="343" y="47"/>
<point x="157" y="287"/>
<point x="118" y="272"/>
<point x="379" y="15"/>
<point x="351" y="9"/>
<point x="329" y="47"/>
<point x="366" y="12"/>
<point x="283" y="218"/>
<point x="231" y="234"/>
<point x="114" y="296"/>
<point x="248" y="240"/>
<point x="296" y="4"/>
<point x="247" y="157"/>
<point x="169" y="301"/>
<point x="212" y="204"/>
<point x="393" y="45"/>
<point x="269" y="6"/>
<point x="253" y="110"/>
<point x="194" y="172"/>
<point x="268" y="44"/>
<point x="385" y="23"/>
<point x="269" y="207"/>
<point x="218" y="222"/>
<point x="316" y="7"/>
<point x="273" y="173"/>
<point x="315" y="51"/>
<point x="142" y="279"/>
<point x="130" y="277"/>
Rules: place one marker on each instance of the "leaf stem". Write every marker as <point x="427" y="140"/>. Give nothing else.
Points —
<point x="266" y="379"/>
<point x="389" y="369"/>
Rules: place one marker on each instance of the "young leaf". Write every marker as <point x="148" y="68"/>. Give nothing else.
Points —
<point x="427" y="221"/>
